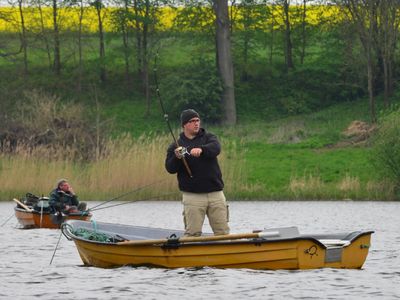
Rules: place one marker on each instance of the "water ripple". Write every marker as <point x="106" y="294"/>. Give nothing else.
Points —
<point x="25" y="272"/>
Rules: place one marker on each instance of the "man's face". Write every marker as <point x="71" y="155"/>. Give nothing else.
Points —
<point x="193" y="126"/>
<point x="64" y="186"/>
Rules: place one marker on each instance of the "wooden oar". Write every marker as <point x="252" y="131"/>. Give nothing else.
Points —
<point x="235" y="236"/>
<point x="23" y="205"/>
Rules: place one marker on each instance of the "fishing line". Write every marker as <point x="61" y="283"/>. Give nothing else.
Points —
<point x="116" y="198"/>
<point x="129" y="202"/>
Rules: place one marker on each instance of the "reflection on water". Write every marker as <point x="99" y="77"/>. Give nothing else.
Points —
<point x="25" y="256"/>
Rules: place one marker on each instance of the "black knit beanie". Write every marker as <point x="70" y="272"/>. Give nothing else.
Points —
<point x="188" y="114"/>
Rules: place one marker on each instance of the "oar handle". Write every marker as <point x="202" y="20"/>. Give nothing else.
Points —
<point x="23" y="205"/>
<point x="235" y="236"/>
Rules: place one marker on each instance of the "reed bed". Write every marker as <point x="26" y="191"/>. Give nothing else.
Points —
<point x="136" y="166"/>
<point x="127" y="164"/>
<point x="348" y="188"/>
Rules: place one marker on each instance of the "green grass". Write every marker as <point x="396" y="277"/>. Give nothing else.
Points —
<point x="273" y="166"/>
<point x="276" y="153"/>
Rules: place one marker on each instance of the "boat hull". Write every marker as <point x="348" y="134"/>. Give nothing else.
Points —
<point x="34" y="219"/>
<point x="299" y="252"/>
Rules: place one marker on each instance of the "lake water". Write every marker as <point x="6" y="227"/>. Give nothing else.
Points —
<point x="25" y="272"/>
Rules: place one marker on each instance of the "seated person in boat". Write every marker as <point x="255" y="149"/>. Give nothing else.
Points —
<point x="63" y="198"/>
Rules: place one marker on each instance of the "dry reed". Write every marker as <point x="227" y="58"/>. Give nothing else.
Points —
<point x="306" y="187"/>
<point x="349" y="186"/>
<point x="127" y="164"/>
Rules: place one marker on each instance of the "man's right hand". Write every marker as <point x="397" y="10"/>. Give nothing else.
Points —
<point x="178" y="153"/>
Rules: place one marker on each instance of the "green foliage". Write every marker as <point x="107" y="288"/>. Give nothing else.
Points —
<point x="194" y="16"/>
<point x="198" y="87"/>
<point x="386" y="154"/>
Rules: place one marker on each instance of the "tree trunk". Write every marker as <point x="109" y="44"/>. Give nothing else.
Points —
<point x="371" y="91"/>
<point x="44" y="35"/>
<point x="145" y="59"/>
<point x="386" y="82"/>
<point x="102" y="53"/>
<point x="224" y="61"/>
<point x="303" y="32"/>
<point x="288" y="39"/>
<point x="389" y="23"/>
<point x="369" y="41"/>
<point x="364" y="18"/>
<point x="80" y="62"/>
<point x="272" y="40"/>
<point x="57" y="55"/>
<point x="23" y="37"/>
<point x="125" y="41"/>
<point x="138" y="38"/>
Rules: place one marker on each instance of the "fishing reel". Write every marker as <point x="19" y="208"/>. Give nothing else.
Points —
<point x="182" y="151"/>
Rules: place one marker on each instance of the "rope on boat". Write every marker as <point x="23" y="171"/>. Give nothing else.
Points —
<point x="94" y="224"/>
<point x="93" y="235"/>
<point x="90" y="234"/>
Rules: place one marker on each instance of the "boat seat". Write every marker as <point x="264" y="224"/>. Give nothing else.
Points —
<point x="279" y="233"/>
<point x="335" y="243"/>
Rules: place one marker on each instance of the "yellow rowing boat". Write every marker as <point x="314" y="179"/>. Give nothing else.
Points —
<point x="108" y="245"/>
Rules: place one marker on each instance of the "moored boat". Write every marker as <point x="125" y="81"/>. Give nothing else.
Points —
<point x="34" y="212"/>
<point x="108" y="245"/>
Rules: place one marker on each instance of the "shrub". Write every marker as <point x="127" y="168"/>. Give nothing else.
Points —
<point x="386" y="152"/>
<point x="42" y="121"/>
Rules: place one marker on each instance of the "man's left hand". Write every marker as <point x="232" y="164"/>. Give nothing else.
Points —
<point x="196" y="152"/>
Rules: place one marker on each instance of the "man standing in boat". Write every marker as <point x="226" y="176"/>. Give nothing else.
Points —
<point x="63" y="198"/>
<point x="199" y="176"/>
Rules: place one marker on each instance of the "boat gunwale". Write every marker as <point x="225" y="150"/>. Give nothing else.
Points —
<point x="22" y="210"/>
<point x="176" y="244"/>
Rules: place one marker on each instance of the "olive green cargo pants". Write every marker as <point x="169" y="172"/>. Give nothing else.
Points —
<point x="197" y="206"/>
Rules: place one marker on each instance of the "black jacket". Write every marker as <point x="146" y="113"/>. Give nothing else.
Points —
<point x="59" y="199"/>
<point x="205" y="169"/>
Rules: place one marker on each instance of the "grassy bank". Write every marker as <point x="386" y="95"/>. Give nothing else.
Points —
<point x="288" y="158"/>
<point x="129" y="164"/>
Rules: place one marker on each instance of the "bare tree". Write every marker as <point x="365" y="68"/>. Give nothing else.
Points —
<point x="43" y="32"/>
<point x="388" y="23"/>
<point x="8" y="50"/>
<point x="303" y="31"/>
<point x="23" y="37"/>
<point x="363" y="14"/>
<point x="80" y="60"/>
<point x="146" y="17"/>
<point x="98" y="5"/>
<point x="272" y="33"/>
<point x="250" y="21"/>
<point x="125" y="39"/>
<point x="56" y="37"/>
<point x="288" y="39"/>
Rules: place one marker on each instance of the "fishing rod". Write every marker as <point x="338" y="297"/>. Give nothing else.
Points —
<point x="182" y="150"/>
<point x="9" y="218"/>
<point x="129" y="202"/>
<point x="123" y="195"/>
<point x="55" y="249"/>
